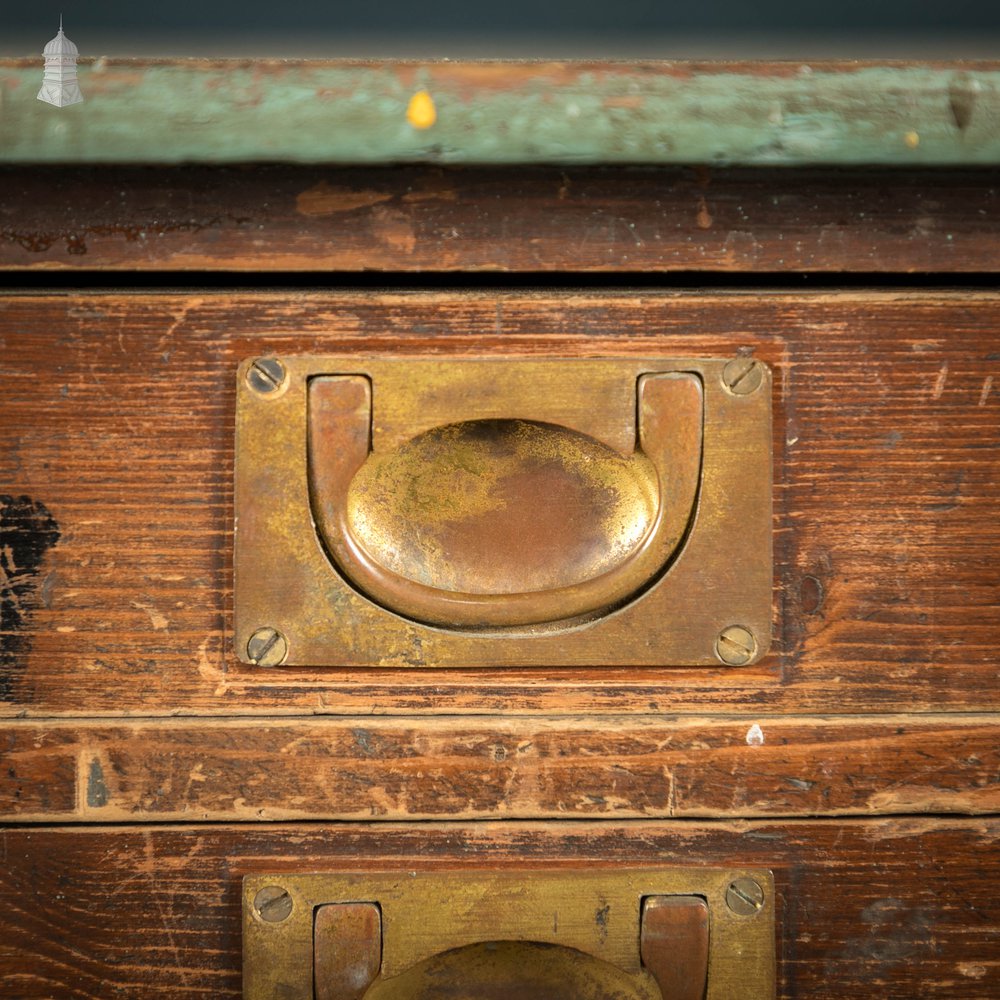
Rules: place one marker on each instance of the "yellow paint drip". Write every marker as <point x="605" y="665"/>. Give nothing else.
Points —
<point x="421" y="112"/>
<point x="912" y="139"/>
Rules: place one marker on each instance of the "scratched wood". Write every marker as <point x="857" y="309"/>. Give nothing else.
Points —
<point x="285" y="217"/>
<point x="407" y="769"/>
<point x="117" y="458"/>
<point x="901" y="909"/>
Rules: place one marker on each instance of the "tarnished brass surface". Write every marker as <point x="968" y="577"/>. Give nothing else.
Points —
<point x="570" y="934"/>
<point x="496" y="506"/>
<point x="347" y="950"/>
<point x="514" y="970"/>
<point x="495" y="523"/>
<point x="674" y="944"/>
<point x="437" y="512"/>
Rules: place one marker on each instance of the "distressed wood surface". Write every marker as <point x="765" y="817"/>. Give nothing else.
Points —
<point x="118" y="465"/>
<point x="282" y="217"/>
<point x="407" y="769"/>
<point x="898" y="908"/>
<point x="787" y="114"/>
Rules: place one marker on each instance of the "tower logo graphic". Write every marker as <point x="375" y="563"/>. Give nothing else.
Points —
<point x="59" y="85"/>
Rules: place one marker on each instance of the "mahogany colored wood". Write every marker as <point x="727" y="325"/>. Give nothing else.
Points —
<point x="904" y="908"/>
<point x="573" y="219"/>
<point x="360" y="768"/>
<point x="117" y="459"/>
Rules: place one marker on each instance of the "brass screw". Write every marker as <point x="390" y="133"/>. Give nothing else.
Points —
<point x="266" y="375"/>
<point x="736" y="645"/>
<point x="745" y="897"/>
<point x="273" y="904"/>
<point x="743" y="375"/>
<point x="267" y="647"/>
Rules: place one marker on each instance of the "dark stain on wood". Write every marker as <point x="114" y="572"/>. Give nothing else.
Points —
<point x="97" y="790"/>
<point x="890" y="932"/>
<point x="27" y="532"/>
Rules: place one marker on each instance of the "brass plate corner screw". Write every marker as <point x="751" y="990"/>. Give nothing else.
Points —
<point x="273" y="904"/>
<point x="266" y="375"/>
<point x="267" y="647"/>
<point x="744" y="897"/>
<point x="736" y="645"/>
<point x="743" y="376"/>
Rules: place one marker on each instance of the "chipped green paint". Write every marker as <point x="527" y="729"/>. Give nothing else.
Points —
<point x="497" y="112"/>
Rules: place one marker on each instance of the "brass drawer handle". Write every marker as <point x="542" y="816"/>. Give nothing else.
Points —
<point x="673" y="944"/>
<point x="448" y="512"/>
<point x="503" y="522"/>
<point x="634" y="934"/>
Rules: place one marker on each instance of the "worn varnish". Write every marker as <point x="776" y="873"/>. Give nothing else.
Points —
<point x="886" y="502"/>
<point x="191" y="770"/>
<point x="542" y="219"/>
<point x="905" y="908"/>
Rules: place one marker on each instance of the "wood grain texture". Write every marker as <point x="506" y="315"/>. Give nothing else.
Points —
<point x="283" y="217"/>
<point x="897" y="908"/>
<point x="406" y="769"/>
<point x="118" y="419"/>
<point x="517" y="112"/>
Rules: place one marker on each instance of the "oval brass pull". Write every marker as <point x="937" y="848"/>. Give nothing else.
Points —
<point x="503" y="522"/>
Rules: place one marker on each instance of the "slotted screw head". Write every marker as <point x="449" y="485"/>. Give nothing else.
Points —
<point x="267" y="647"/>
<point x="743" y="376"/>
<point x="266" y="375"/>
<point x="745" y="897"/>
<point x="273" y="904"/>
<point x="736" y="645"/>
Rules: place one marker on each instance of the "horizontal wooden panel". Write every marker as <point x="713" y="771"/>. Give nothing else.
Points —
<point x="904" y="908"/>
<point x="279" y="217"/>
<point x="117" y="452"/>
<point x="401" y="769"/>
<point x="314" y="111"/>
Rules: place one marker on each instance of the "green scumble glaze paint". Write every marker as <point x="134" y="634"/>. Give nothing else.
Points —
<point x="507" y="113"/>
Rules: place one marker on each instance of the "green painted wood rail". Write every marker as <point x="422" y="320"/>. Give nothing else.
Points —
<point x="226" y="111"/>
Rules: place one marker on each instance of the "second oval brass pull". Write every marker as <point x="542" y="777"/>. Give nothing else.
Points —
<point x="503" y="522"/>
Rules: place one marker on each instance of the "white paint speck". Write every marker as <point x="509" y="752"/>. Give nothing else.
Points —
<point x="755" y="736"/>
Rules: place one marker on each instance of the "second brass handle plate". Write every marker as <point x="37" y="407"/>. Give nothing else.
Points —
<point x="638" y="933"/>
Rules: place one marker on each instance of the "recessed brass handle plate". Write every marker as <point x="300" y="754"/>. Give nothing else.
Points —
<point x="427" y="512"/>
<point x="634" y="934"/>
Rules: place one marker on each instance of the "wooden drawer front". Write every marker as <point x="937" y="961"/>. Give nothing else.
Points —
<point x="118" y="429"/>
<point x="151" y="912"/>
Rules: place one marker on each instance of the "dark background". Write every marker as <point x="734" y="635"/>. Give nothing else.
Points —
<point x="608" y="28"/>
